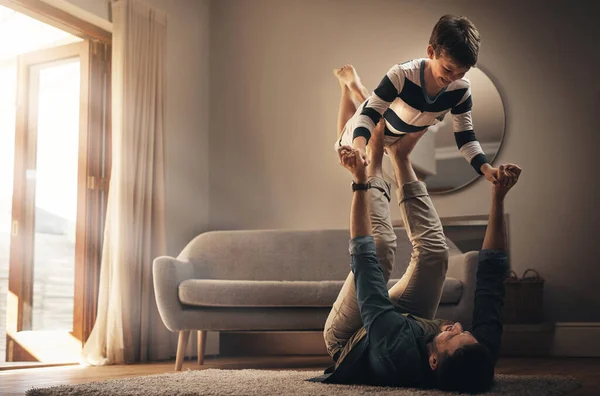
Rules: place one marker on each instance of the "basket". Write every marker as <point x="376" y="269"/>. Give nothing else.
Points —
<point x="524" y="298"/>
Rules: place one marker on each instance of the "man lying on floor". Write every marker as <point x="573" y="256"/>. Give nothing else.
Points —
<point x="390" y="346"/>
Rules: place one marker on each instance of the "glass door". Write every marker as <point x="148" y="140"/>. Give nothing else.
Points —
<point x="58" y="193"/>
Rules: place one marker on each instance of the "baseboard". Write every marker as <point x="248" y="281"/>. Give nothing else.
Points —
<point x="576" y="339"/>
<point x="563" y="339"/>
<point x="263" y="343"/>
<point x="527" y="339"/>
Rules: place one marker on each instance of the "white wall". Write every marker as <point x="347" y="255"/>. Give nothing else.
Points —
<point x="273" y="117"/>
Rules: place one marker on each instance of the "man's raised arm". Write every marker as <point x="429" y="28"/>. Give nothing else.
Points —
<point x="369" y="282"/>
<point x="493" y="267"/>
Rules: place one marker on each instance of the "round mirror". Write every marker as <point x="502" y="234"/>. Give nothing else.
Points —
<point x="436" y="158"/>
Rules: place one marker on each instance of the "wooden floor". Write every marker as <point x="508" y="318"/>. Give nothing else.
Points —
<point x="17" y="381"/>
<point x="53" y="283"/>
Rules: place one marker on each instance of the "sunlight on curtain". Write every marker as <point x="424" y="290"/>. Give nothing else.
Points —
<point x="128" y="327"/>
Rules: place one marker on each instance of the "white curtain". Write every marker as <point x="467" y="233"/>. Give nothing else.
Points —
<point x="128" y="327"/>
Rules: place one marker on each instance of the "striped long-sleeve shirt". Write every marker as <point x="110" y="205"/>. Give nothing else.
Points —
<point x="402" y="100"/>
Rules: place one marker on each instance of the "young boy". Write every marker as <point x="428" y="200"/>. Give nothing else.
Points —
<point x="418" y="94"/>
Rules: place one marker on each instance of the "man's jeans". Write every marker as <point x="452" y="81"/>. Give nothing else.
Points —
<point x="419" y="290"/>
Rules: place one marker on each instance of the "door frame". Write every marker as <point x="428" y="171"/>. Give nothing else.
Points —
<point x="20" y="280"/>
<point x="93" y="174"/>
<point x="99" y="154"/>
<point x="47" y="13"/>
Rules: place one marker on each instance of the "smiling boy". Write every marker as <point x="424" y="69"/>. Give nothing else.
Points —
<point x="418" y="94"/>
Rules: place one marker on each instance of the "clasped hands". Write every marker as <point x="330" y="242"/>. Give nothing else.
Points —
<point x="352" y="159"/>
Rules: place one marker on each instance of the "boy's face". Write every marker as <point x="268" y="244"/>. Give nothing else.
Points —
<point x="444" y="68"/>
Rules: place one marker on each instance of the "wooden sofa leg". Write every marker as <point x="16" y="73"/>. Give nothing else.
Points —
<point x="201" y="346"/>
<point x="184" y="336"/>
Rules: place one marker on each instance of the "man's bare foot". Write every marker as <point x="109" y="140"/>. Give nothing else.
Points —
<point x="347" y="75"/>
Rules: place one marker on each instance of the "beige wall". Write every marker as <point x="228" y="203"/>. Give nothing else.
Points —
<point x="186" y="119"/>
<point x="273" y="104"/>
<point x="187" y="115"/>
<point x="100" y="8"/>
<point x="274" y="101"/>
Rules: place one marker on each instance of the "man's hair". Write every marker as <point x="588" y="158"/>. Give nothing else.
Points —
<point x="457" y="37"/>
<point x="470" y="369"/>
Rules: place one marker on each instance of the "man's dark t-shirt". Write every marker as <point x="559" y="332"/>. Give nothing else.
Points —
<point x="390" y="349"/>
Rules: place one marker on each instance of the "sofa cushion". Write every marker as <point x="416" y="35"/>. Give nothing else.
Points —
<point x="269" y="294"/>
<point x="451" y="291"/>
<point x="277" y="255"/>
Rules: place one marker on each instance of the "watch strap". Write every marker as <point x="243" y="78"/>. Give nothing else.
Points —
<point x="360" y="186"/>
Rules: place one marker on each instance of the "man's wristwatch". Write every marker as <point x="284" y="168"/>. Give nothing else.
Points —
<point x="360" y="186"/>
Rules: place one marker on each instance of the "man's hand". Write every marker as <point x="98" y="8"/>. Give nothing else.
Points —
<point x="508" y="175"/>
<point x="350" y="158"/>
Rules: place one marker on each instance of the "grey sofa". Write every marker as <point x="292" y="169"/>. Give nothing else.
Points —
<point x="277" y="280"/>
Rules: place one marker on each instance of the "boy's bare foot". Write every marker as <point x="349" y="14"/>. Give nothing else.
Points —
<point x="347" y="75"/>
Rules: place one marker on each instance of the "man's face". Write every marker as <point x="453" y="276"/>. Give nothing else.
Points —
<point x="452" y="338"/>
<point x="444" y="68"/>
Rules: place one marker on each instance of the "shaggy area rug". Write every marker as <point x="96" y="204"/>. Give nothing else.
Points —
<point x="264" y="382"/>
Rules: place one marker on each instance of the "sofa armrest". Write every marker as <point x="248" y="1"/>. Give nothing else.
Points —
<point x="168" y="273"/>
<point x="464" y="268"/>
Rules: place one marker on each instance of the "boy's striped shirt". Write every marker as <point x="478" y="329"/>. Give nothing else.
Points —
<point x="403" y="101"/>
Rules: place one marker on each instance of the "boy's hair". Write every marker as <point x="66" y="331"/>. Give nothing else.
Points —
<point x="469" y="369"/>
<point x="457" y="37"/>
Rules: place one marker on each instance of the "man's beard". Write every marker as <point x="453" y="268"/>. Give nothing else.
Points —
<point x="430" y="341"/>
